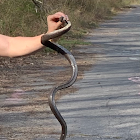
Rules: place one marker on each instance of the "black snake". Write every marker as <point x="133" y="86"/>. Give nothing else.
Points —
<point x="67" y="54"/>
<point x="73" y="64"/>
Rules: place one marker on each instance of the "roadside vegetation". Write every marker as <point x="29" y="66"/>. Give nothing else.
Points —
<point x="19" y="17"/>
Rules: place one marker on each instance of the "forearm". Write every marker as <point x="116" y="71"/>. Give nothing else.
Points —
<point x="19" y="46"/>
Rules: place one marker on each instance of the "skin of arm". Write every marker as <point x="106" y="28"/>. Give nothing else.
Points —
<point x="19" y="46"/>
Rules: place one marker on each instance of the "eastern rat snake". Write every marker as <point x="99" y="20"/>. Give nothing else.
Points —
<point x="71" y="59"/>
<point x="67" y="54"/>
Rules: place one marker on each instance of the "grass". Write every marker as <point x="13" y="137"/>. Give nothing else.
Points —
<point x="19" y="18"/>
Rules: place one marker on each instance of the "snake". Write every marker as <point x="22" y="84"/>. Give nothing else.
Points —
<point x="67" y="54"/>
<point x="45" y="40"/>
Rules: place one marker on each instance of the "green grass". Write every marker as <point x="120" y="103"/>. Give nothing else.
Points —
<point x="18" y="17"/>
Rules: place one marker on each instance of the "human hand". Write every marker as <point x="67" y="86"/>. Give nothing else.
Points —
<point x="53" y="21"/>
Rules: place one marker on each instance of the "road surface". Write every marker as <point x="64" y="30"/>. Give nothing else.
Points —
<point x="107" y="104"/>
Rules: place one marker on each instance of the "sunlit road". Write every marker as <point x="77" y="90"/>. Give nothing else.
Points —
<point x="107" y="104"/>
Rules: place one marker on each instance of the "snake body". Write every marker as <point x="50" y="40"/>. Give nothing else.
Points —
<point x="45" y="41"/>
<point x="67" y="54"/>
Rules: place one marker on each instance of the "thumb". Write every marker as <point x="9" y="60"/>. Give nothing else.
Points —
<point x="60" y="24"/>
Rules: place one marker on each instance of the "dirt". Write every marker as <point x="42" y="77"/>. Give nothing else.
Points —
<point x="25" y="84"/>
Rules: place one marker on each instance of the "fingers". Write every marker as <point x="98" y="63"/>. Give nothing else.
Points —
<point x="54" y="21"/>
<point x="60" y="14"/>
<point x="62" y="17"/>
<point x="55" y="17"/>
